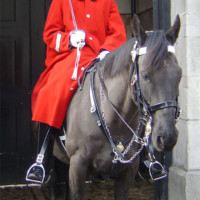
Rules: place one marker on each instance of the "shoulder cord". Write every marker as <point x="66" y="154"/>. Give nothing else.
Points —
<point x="73" y="15"/>
<point x="75" y="72"/>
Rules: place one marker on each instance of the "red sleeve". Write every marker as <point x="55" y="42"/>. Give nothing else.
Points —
<point x="54" y="34"/>
<point x="116" y="34"/>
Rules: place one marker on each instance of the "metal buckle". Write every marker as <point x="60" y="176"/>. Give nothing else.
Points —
<point x="157" y="171"/>
<point x="92" y="109"/>
<point x="39" y="159"/>
<point x="62" y="141"/>
<point x="43" y="172"/>
<point x="62" y="138"/>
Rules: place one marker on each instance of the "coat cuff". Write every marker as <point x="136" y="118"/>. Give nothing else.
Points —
<point x="58" y="39"/>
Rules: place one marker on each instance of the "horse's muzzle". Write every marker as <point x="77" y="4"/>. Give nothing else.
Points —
<point x="165" y="140"/>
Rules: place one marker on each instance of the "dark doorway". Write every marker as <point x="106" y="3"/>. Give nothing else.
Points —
<point x="22" y="55"/>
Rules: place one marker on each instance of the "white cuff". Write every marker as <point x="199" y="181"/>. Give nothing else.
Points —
<point x="58" y="39"/>
<point x="103" y="54"/>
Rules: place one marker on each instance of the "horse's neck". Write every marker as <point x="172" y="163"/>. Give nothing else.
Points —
<point x="120" y="94"/>
<point x="116" y="70"/>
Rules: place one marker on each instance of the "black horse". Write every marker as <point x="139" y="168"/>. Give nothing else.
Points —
<point x="129" y="101"/>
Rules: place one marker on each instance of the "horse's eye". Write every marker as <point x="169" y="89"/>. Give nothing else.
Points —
<point x="145" y="76"/>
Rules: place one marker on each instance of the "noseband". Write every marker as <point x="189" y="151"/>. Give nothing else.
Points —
<point x="141" y="102"/>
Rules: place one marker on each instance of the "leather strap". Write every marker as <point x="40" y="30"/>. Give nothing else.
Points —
<point x="40" y="156"/>
<point x="163" y="105"/>
<point x="98" y="118"/>
<point x="83" y="74"/>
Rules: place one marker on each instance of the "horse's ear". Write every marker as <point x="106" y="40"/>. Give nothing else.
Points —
<point x="172" y="33"/>
<point x="138" y="31"/>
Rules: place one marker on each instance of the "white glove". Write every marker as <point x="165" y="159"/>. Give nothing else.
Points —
<point x="77" y="38"/>
<point x="103" y="54"/>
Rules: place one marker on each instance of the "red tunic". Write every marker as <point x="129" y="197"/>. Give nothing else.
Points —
<point x="104" y="29"/>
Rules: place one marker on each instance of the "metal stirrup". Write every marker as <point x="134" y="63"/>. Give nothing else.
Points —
<point x="39" y="159"/>
<point x="157" y="171"/>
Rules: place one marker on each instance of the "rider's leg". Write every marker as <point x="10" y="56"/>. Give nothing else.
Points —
<point x="36" y="173"/>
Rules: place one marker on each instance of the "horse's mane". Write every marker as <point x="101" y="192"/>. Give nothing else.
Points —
<point x="156" y="44"/>
<point x="119" y="60"/>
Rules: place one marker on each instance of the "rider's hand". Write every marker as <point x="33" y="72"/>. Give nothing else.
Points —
<point x="77" y="38"/>
<point x="103" y="54"/>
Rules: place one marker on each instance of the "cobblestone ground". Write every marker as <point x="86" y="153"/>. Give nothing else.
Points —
<point x="94" y="191"/>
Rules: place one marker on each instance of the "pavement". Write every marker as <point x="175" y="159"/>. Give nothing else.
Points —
<point x="93" y="191"/>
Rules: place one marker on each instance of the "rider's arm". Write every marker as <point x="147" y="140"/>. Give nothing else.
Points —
<point x="54" y="34"/>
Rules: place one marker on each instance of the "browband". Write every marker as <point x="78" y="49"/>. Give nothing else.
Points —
<point x="143" y="50"/>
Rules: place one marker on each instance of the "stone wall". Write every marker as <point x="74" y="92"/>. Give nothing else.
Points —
<point x="184" y="176"/>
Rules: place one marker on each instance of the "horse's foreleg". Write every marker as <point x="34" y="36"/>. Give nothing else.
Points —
<point x="124" y="181"/>
<point x="77" y="175"/>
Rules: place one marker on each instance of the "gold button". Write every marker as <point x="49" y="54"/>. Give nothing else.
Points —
<point x="88" y="15"/>
<point x="90" y="38"/>
<point x="71" y="89"/>
<point x="82" y="68"/>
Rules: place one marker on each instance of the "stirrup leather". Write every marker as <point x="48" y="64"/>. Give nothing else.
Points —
<point x="62" y="137"/>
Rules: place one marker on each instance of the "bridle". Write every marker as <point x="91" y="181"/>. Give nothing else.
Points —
<point x="144" y="107"/>
<point x="141" y="102"/>
<point x="145" y="112"/>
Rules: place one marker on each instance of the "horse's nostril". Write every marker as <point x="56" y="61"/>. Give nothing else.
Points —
<point x="160" y="143"/>
<point x="165" y="143"/>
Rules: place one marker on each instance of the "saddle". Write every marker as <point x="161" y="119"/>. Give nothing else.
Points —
<point x="84" y="73"/>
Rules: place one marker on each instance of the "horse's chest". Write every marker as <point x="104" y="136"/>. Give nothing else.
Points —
<point x="102" y="162"/>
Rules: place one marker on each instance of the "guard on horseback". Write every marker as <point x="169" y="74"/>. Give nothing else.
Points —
<point x="76" y="32"/>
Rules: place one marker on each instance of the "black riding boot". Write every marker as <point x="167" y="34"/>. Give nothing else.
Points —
<point x="37" y="173"/>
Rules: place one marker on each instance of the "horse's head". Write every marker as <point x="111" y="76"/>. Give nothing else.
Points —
<point x="159" y="77"/>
